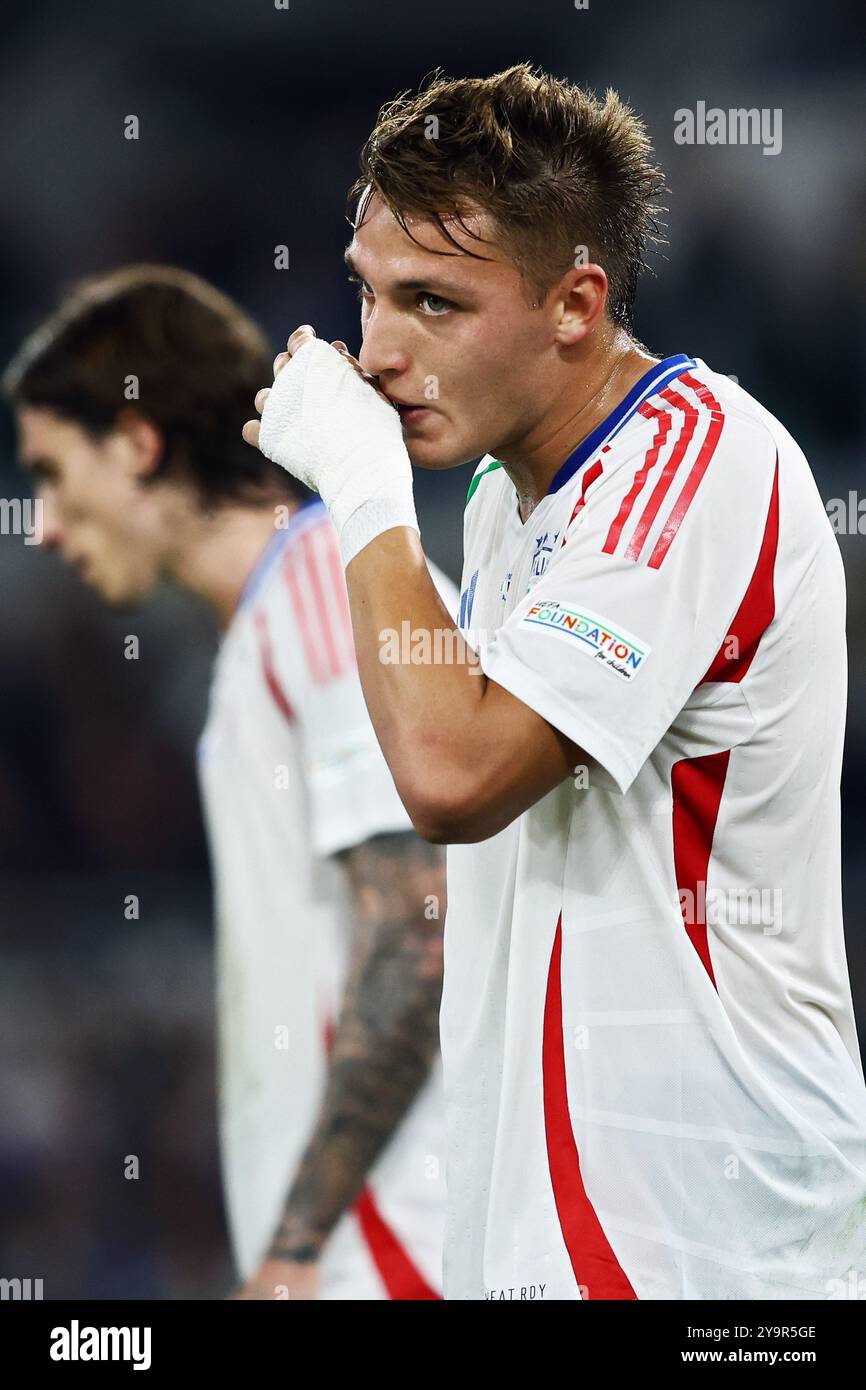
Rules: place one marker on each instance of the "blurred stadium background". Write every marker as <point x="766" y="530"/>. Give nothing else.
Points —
<point x="250" y="121"/>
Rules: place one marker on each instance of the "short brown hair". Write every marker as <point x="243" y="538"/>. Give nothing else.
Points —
<point x="553" y="166"/>
<point x="199" y="360"/>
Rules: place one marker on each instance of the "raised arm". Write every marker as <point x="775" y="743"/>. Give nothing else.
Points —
<point x="467" y="757"/>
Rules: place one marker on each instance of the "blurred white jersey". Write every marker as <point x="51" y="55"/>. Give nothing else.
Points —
<point x="653" y="1084"/>
<point x="291" y="773"/>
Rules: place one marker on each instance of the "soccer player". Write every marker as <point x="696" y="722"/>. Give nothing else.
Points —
<point x="130" y="401"/>
<point x="653" y="1086"/>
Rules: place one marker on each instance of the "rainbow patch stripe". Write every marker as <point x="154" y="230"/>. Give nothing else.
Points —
<point x="616" y="649"/>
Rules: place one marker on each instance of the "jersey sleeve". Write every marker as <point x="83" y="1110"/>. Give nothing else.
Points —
<point x="352" y="795"/>
<point x="630" y="617"/>
<point x="350" y="788"/>
<point x="446" y="588"/>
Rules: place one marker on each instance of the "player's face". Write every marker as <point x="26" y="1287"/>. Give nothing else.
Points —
<point x="94" y="510"/>
<point x="452" y="336"/>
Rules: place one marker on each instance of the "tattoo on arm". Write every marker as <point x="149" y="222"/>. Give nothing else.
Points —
<point x="386" y="1037"/>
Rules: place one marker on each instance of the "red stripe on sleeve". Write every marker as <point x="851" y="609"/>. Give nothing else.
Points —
<point x="594" y="471"/>
<point x="701" y="464"/>
<point x="663" y="424"/>
<point x="346" y="639"/>
<point x="313" y="653"/>
<point x="659" y="492"/>
<point x="324" y="610"/>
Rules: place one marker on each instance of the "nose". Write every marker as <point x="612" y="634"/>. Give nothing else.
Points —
<point x="381" y="351"/>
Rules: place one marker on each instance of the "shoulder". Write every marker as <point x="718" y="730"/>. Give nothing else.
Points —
<point x="485" y="504"/>
<point x="703" y="422"/>
<point x="308" y="559"/>
<point x="697" y="452"/>
<point x="303" y="600"/>
<point x="719" y="413"/>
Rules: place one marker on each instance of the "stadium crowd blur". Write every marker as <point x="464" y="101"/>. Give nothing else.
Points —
<point x="250" y="121"/>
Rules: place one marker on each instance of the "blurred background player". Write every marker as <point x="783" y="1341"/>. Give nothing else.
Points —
<point x="129" y="402"/>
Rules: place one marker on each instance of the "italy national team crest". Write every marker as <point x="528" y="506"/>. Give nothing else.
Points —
<point x="543" y="551"/>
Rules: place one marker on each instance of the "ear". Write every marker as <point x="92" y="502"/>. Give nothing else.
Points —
<point x="581" y="301"/>
<point x="144" y="442"/>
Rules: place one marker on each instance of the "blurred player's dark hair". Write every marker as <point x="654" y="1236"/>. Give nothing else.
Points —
<point x="198" y="360"/>
<point x="555" y="168"/>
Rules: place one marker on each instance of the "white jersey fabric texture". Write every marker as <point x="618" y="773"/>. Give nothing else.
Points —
<point x="291" y="773"/>
<point x="652" y="1077"/>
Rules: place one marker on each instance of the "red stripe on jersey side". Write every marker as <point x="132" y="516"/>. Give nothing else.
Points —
<point x="589" y="477"/>
<point x="324" y="610"/>
<point x="271" y="679"/>
<point x="663" y="424"/>
<point x="312" y="651"/>
<point x="398" y="1272"/>
<point x="701" y="464"/>
<point x="659" y="492"/>
<point x="697" y="785"/>
<point x="595" y="1266"/>
<point x="757" y="609"/>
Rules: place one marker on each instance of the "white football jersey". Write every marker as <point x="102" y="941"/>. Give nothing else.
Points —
<point x="291" y="773"/>
<point x="653" y="1084"/>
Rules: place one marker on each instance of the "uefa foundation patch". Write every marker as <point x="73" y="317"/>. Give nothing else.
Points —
<point x="613" y="647"/>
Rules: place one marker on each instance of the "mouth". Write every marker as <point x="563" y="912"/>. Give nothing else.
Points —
<point x="410" y="414"/>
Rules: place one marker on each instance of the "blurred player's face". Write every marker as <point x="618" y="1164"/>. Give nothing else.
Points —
<point x="94" y="510"/>
<point x="454" y="337"/>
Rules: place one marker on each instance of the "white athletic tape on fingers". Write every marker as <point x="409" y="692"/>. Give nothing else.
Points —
<point x="328" y="427"/>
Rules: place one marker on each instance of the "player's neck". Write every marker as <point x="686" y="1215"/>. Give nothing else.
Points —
<point x="604" y="382"/>
<point x="220" y="551"/>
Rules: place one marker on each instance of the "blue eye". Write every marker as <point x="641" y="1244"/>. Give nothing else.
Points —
<point x="437" y="306"/>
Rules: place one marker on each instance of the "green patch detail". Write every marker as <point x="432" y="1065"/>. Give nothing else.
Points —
<point x="478" y="476"/>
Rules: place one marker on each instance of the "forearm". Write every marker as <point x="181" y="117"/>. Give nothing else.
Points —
<point x="466" y="757"/>
<point x="386" y="1037"/>
<point x="390" y="586"/>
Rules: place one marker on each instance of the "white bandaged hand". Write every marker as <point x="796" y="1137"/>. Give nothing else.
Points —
<point x="328" y="427"/>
